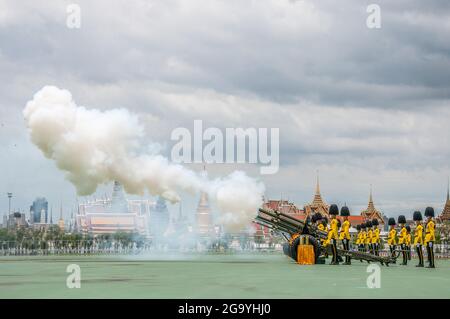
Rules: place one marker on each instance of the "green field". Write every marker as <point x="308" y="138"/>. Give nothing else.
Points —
<point x="213" y="276"/>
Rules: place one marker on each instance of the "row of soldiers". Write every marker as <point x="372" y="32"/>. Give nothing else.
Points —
<point x="368" y="236"/>
<point x="403" y="238"/>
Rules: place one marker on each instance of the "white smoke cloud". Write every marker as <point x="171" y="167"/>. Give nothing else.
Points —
<point x="95" y="147"/>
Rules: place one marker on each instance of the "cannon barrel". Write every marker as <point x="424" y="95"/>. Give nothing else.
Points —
<point x="274" y="223"/>
<point x="277" y="217"/>
<point x="287" y="218"/>
<point x="294" y="222"/>
<point x="282" y="231"/>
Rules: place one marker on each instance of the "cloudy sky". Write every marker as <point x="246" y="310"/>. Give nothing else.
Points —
<point x="363" y="106"/>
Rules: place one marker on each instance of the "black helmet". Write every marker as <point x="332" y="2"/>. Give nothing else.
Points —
<point x="368" y="224"/>
<point x="429" y="212"/>
<point x="363" y="226"/>
<point x="408" y="228"/>
<point x="334" y="210"/>
<point x="375" y="222"/>
<point x="401" y="219"/>
<point x="358" y="227"/>
<point x="417" y="216"/>
<point x="391" y="221"/>
<point x="318" y="216"/>
<point x="314" y="218"/>
<point x="345" y="211"/>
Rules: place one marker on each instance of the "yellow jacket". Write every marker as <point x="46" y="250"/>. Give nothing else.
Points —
<point x="376" y="236"/>
<point x="345" y="234"/>
<point x="369" y="236"/>
<point x="358" y="238"/>
<point x="363" y="237"/>
<point x="408" y="239"/>
<point x="402" y="237"/>
<point x="391" y="237"/>
<point x="429" y="232"/>
<point x="418" y="235"/>
<point x="322" y="227"/>
<point x="333" y="232"/>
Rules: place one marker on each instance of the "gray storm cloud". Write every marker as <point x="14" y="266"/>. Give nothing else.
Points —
<point x="95" y="147"/>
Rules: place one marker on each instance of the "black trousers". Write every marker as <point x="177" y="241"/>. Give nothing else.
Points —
<point x="346" y="244"/>
<point x="409" y="251"/>
<point x="334" y="250"/>
<point x="419" y="253"/>
<point x="430" y="253"/>
<point x="404" y="253"/>
<point x="392" y="250"/>
<point x="376" y="249"/>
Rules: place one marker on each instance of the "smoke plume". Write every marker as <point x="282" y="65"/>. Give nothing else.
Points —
<point x="96" y="147"/>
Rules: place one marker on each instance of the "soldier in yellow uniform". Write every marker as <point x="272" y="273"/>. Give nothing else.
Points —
<point x="333" y="233"/>
<point x="392" y="236"/>
<point x="363" y="237"/>
<point x="358" y="237"/>
<point x="430" y="236"/>
<point x="344" y="235"/>
<point x="402" y="238"/>
<point x="375" y="237"/>
<point x="418" y="237"/>
<point x="408" y="241"/>
<point x="369" y="236"/>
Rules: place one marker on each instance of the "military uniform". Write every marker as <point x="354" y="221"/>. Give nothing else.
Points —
<point x="430" y="236"/>
<point x="408" y="241"/>
<point x="402" y="238"/>
<point x="344" y="236"/>
<point x="333" y="233"/>
<point x="376" y="241"/>
<point x="369" y="237"/>
<point x="363" y="238"/>
<point x="358" y="236"/>
<point x="418" y="237"/>
<point x="392" y="237"/>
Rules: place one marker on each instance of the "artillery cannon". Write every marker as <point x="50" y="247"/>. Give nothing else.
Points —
<point x="296" y="231"/>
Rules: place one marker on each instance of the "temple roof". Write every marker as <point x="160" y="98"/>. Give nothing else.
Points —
<point x="317" y="200"/>
<point x="445" y="215"/>
<point x="371" y="212"/>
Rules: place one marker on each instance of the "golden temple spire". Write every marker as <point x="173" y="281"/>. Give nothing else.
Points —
<point x="317" y="197"/>
<point x="371" y="206"/>
<point x="317" y="184"/>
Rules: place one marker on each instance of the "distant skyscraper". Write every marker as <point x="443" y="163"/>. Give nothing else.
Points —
<point x="61" y="220"/>
<point x="39" y="208"/>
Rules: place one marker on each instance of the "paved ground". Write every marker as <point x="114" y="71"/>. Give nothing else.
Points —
<point x="231" y="276"/>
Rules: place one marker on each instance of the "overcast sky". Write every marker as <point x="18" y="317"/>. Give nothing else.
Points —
<point x="363" y="106"/>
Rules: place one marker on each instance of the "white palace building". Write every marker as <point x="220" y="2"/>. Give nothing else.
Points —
<point x="117" y="214"/>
